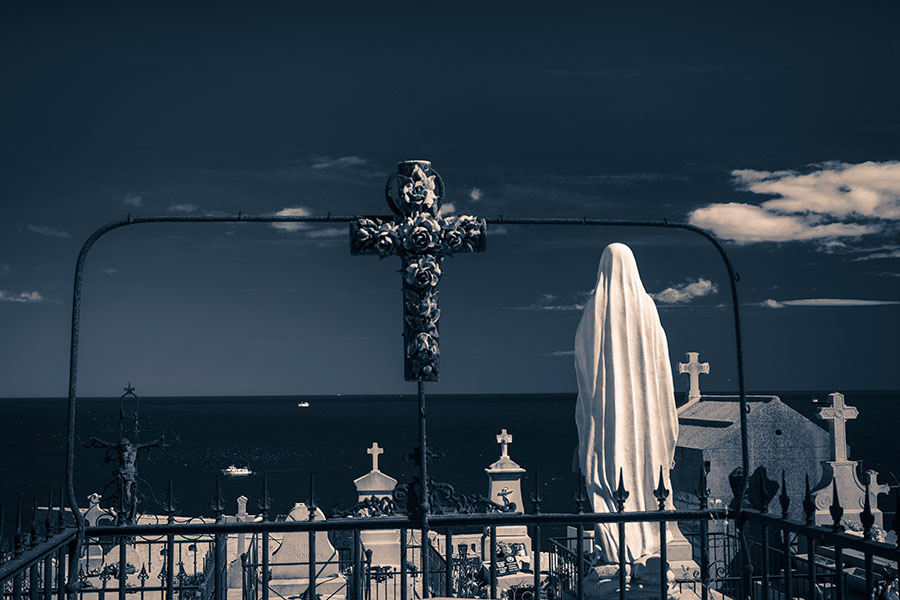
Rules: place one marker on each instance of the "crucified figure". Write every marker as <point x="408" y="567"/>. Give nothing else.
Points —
<point x="126" y="473"/>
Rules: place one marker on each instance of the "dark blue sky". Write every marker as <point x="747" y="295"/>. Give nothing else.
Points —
<point x="776" y="127"/>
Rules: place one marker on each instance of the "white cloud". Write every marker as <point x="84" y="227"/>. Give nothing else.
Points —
<point x="882" y="252"/>
<point x="182" y="208"/>
<point x="747" y="223"/>
<point x="448" y="208"/>
<point x="133" y="200"/>
<point x="24" y="297"/>
<point x="685" y="292"/>
<point x="561" y="353"/>
<point x="835" y="200"/>
<point x="292" y="211"/>
<point x="837" y="189"/>
<point x="344" y="162"/>
<point x="110" y="271"/>
<point x="48" y="231"/>
<point x="549" y="302"/>
<point x="328" y="232"/>
<point x="827" y="302"/>
<point x="475" y="194"/>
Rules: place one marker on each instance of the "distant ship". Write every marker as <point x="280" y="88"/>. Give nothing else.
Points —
<point x="237" y="471"/>
<point x="303" y="404"/>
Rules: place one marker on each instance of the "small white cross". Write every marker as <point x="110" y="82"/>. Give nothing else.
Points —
<point x="694" y="368"/>
<point x="504" y="439"/>
<point x="375" y="451"/>
<point x="838" y="414"/>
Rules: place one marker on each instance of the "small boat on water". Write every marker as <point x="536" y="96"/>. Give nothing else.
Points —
<point x="303" y="404"/>
<point x="237" y="471"/>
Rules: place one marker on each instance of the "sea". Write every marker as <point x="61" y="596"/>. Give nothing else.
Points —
<point x="289" y="444"/>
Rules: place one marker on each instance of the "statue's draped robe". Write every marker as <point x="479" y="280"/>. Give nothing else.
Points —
<point x="626" y="404"/>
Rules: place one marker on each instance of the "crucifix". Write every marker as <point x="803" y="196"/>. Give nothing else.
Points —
<point x="838" y="414"/>
<point x="504" y="439"/>
<point x="422" y="238"/>
<point x="694" y="368"/>
<point x="375" y="451"/>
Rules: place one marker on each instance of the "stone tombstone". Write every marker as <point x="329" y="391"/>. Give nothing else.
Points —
<point x="295" y="549"/>
<point x="840" y="471"/>
<point x="505" y="488"/>
<point x="384" y="543"/>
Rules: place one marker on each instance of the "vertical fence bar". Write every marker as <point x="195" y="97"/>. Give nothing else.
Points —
<point x="493" y="561"/>
<point x="788" y="566"/>
<point x="403" y="566"/>
<point x="356" y="559"/>
<point x="423" y="482"/>
<point x="17" y="587"/>
<point x="663" y="563"/>
<point x="764" y="531"/>
<point x="839" y="571"/>
<point x="536" y="561"/>
<point x="123" y="574"/>
<point x="48" y="577"/>
<point x="312" y="565"/>
<point x="33" y="586"/>
<point x="704" y="558"/>
<point x="811" y="567"/>
<point x="61" y="574"/>
<point x="579" y="562"/>
<point x="448" y="555"/>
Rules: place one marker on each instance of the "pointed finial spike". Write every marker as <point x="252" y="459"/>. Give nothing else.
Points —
<point x="661" y="493"/>
<point x="60" y="516"/>
<point x="19" y="541"/>
<point x="866" y="517"/>
<point x="171" y="506"/>
<point x="312" y="496"/>
<point x="836" y="510"/>
<point x="33" y="533"/>
<point x="784" y="498"/>
<point x="218" y="504"/>
<point x="621" y="494"/>
<point x="536" y="497"/>
<point x="703" y="495"/>
<point x="48" y="518"/>
<point x="265" y="502"/>
<point x="809" y="508"/>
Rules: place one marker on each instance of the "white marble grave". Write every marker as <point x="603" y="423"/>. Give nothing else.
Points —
<point x="693" y="368"/>
<point x="842" y="471"/>
<point x="384" y="543"/>
<point x="504" y="488"/>
<point x="290" y="562"/>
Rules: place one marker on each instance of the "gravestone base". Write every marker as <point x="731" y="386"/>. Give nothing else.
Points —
<point x="333" y="587"/>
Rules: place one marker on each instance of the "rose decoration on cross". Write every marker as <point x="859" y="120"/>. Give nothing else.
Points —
<point x="422" y="239"/>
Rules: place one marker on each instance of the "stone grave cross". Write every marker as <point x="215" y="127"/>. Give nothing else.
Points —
<point x="504" y="439"/>
<point x="838" y="414"/>
<point x="694" y="368"/>
<point x="375" y="451"/>
<point x="422" y="238"/>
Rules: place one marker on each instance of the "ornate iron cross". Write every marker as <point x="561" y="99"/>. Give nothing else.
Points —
<point x="421" y="237"/>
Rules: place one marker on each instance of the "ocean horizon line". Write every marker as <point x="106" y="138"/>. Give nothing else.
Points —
<point x="435" y="396"/>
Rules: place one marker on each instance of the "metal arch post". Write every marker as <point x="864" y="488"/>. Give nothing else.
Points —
<point x="72" y="587"/>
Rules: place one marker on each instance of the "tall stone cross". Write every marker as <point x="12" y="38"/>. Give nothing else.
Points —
<point x="422" y="238"/>
<point x="694" y="368"/>
<point x="504" y="439"/>
<point x="375" y="451"/>
<point x="838" y="414"/>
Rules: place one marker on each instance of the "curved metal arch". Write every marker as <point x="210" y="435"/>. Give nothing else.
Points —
<point x="129" y="220"/>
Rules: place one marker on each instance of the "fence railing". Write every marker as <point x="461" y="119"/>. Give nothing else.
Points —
<point x="200" y="561"/>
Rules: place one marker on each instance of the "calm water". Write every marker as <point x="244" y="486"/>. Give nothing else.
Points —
<point x="288" y="444"/>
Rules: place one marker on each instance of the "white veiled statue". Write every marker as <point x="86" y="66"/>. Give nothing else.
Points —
<point x="626" y="402"/>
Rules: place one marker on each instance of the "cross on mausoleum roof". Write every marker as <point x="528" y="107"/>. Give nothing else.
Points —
<point x="838" y="414"/>
<point x="375" y="451"/>
<point x="422" y="238"/>
<point x="694" y="368"/>
<point x="504" y="439"/>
